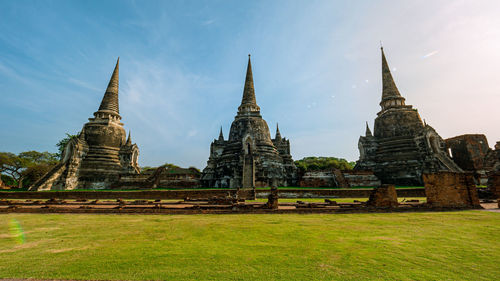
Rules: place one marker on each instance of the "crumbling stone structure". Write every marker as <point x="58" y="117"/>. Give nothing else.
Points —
<point x="249" y="158"/>
<point x="161" y="177"/>
<point x="494" y="185"/>
<point x="402" y="147"/>
<point x="448" y="189"/>
<point x="384" y="196"/>
<point x="338" y="178"/>
<point x="100" y="154"/>
<point x="272" y="199"/>
<point x="361" y="178"/>
<point x="492" y="159"/>
<point x="469" y="153"/>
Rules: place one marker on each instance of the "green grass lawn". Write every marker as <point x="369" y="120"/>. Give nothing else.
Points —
<point x="395" y="246"/>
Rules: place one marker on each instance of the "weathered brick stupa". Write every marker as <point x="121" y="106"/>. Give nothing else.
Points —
<point x="249" y="158"/>
<point x="402" y="147"/>
<point x="100" y="154"/>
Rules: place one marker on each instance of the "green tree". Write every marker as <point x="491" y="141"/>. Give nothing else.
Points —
<point x="29" y="166"/>
<point x="12" y="165"/>
<point x="307" y="164"/>
<point x="147" y="168"/>
<point x="194" y="169"/>
<point x="170" y="166"/>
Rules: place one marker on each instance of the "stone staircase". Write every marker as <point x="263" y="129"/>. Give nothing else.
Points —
<point x="47" y="180"/>
<point x="448" y="163"/>
<point x="395" y="148"/>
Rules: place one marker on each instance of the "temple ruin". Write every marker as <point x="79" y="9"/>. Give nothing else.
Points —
<point x="402" y="147"/>
<point x="492" y="159"/>
<point x="249" y="157"/>
<point x="469" y="152"/>
<point x="100" y="154"/>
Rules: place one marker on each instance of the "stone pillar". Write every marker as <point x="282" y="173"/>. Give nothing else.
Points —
<point x="384" y="196"/>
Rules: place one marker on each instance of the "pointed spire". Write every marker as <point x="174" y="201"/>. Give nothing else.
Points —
<point x="248" y="102"/>
<point x="389" y="89"/>
<point x="368" y="132"/>
<point x="129" y="139"/>
<point x="221" y="136"/>
<point x="109" y="102"/>
<point x="278" y="134"/>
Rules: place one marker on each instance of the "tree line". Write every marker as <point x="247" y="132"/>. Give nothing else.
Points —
<point x="308" y="164"/>
<point x="23" y="169"/>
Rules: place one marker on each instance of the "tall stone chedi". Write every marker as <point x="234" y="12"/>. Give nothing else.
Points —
<point x="249" y="158"/>
<point x="402" y="147"/>
<point x="100" y="154"/>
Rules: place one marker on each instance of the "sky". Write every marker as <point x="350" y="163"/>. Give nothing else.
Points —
<point x="316" y="68"/>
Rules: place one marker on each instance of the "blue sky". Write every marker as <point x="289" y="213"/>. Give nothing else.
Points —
<point x="316" y="67"/>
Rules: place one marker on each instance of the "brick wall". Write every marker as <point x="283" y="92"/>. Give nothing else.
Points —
<point x="201" y="193"/>
<point x="448" y="189"/>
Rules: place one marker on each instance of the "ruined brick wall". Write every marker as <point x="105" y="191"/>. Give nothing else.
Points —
<point x="469" y="151"/>
<point x="161" y="178"/>
<point x="318" y="179"/>
<point x="204" y="193"/>
<point x="492" y="160"/>
<point x="339" y="179"/>
<point x="494" y="185"/>
<point x="338" y="193"/>
<point x="272" y="199"/>
<point x="361" y="178"/>
<point x="384" y="196"/>
<point x="149" y="194"/>
<point x="246" y="193"/>
<point x="448" y="189"/>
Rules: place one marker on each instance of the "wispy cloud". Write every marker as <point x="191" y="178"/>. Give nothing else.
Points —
<point x="83" y="84"/>
<point x="430" y="54"/>
<point x="208" y="22"/>
<point x="10" y="72"/>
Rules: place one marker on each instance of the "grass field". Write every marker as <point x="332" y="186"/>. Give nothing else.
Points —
<point x="395" y="246"/>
